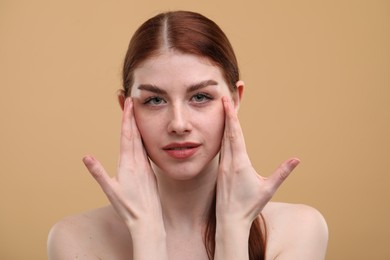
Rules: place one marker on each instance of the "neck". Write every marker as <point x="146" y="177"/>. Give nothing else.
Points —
<point x="185" y="203"/>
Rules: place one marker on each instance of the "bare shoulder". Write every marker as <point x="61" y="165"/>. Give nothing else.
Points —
<point x="90" y="235"/>
<point x="295" y="231"/>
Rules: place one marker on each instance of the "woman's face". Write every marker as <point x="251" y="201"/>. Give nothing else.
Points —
<point x="179" y="113"/>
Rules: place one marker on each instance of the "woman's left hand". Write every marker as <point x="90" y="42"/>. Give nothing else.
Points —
<point x="241" y="192"/>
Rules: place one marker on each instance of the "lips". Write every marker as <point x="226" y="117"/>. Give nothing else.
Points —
<point x="181" y="150"/>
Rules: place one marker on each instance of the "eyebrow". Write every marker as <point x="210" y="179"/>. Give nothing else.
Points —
<point x="191" y="88"/>
<point x="152" y="88"/>
<point x="201" y="84"/>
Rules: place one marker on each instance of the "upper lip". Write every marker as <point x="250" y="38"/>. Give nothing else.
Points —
<point x="181" y="145"/>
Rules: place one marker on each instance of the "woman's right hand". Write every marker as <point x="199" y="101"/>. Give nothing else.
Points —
<point x="133" y="191"/>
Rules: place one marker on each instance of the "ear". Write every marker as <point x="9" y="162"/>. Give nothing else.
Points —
<point x="237" y="96"/>
<point x="121" y="98"/>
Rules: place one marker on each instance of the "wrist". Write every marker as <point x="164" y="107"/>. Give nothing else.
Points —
<point x="149" y="241"/>
<point x="231" y="240"/>
<point x="231" y="231"/>
<point x="233" y="222"/>
<point x="142" y="228"/>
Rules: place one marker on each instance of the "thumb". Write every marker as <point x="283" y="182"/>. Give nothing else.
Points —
<point x="98" y="172"/>
<point x="282" y="172"/>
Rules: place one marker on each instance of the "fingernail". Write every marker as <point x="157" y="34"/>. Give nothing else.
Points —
<point x="88" y="158"/>
<point x="294" y="162"/>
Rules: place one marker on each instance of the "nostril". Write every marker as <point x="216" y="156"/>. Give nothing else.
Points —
<point x="179" y="127"/>
<point x="179" y="122"/>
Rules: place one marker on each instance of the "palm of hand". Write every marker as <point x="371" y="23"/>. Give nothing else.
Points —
<point x="133" y="191"/>
<point x="241" y="192"/>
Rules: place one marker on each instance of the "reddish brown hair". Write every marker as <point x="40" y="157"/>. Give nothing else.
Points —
<point x="191" y="33"/>
<point x="182" y="31"/>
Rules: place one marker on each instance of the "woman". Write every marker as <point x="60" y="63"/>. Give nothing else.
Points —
<point x="185" y="187"/>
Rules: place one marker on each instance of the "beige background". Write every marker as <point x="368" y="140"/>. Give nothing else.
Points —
<point x="318" y="87"/>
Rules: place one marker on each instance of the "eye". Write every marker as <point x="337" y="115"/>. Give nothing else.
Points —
<point x="201" y="98"/>
<point x="154" y="101"/>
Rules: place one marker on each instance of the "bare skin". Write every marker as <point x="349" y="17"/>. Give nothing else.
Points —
<point x="158" y="205"/>
<point x="77" y="237"/>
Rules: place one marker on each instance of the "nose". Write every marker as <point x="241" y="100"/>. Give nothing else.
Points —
<point x="179" y="120"/>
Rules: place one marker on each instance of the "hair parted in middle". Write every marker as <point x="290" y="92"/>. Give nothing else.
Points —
<point x="192" y="33"/>
<point x="185" y="32"/>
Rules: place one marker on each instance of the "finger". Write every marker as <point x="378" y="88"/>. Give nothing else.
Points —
<point x="131" y="144"/>
<point x="98" y="172"/>
<point x="282" y="172"/>
<point x="125" y="140"/>
<point x="137" y="147"/>
<point x="226" y="153"/>
<point x="233" y="136"/>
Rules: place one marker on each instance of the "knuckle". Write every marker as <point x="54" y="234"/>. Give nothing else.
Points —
<point x="223" y="169"/>
<point x="268" y="191"/>
<point x="231" y="136"/>
<point x="130" y="135"/>
<point x="97" y="172"/>
<point x="126" y="136"/>
<point x="283" y="173"/>
<point x="240" y="167"/>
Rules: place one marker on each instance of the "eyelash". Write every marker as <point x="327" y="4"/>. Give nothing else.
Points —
<point x="205" y="97"/>
<point x="151" y="100"/>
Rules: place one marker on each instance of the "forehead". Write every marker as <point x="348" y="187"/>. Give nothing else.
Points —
<point x="172" y="67"/>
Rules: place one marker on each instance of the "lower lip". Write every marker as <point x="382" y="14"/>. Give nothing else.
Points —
<point x="182" y="153"/>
